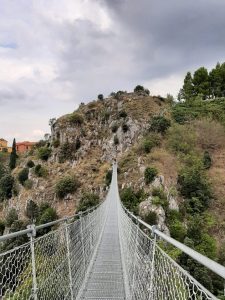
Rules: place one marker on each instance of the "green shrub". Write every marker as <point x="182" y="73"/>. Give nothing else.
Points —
<point x="181" y="138"/>
<point x="177" y="230"/>
<point x="11" y="217"/>
<point x="122" y="114"/>
<point x="131" y="199"/>
<point x="108" y="177"/>
<point x="125" y="127"/>
<point x="88" y="200"/>
<point x="150" y="174"/>
<point x="6" y="187"/>
<point x="2" y="227"/>
<point x="32" y="210"/>
<point x="30" y="164"/>
<point x="149" y="142"/>
<point x="28" y="184"/>
<point x="151" y="218"/>
<point x="207" y="160"/>
<point x="23" y="175"/>
<point x="66" y="185"/>
<point x="159" y="192"/>
<point x="159" y="124"/>
<point x="116" y="140"/>
<point x="2" y="170"/>
<point x="48" y="215"/>
<point x="67" y="150"/>
<point x="44" y="153"/>
<point x="40" y="171"/>
<point x="114" y="128"/>
<point x="139" y="88"/>
<point x="193" y="183"/>
<point x="76" y="118"/>
<point x="160" y="201"/>
<point x="100" y="97"/>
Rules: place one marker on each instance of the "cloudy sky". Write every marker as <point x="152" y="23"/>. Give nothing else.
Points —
<point x="55" y="54"/>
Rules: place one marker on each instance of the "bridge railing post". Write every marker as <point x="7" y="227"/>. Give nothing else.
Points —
<point x="152" y="263"/>
<point x="69" y="258"/>
<point x="32" y="236"/>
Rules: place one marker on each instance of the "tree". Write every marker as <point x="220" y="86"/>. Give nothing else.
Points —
<point x="23" y="175"/>
<point x="11" y="217"/>
<point x="13" y="156"/>
<point x="44" y="153"/>
<point x="139" y="88"/>
<point x="6" y="187"/>
<point x="32" y="210"/>
<point x="187" y="92"/>
<point x="201" y="82"/>
<point x="100" y="97"/>
<point x="159" y="124"/>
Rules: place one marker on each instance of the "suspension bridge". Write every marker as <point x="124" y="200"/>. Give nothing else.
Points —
<point x="103" y="253"/>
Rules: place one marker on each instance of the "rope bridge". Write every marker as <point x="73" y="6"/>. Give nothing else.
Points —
<point x="103" y="253"/>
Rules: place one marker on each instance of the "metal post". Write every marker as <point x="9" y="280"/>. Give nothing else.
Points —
<point x="135" y="258"/>
<point x="152" y="264"/>
<point x="69" y="262"/>
<point x="32" y="235"/>
<point x="82" y="240"/>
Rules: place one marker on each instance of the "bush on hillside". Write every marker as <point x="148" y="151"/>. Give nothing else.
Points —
<point x="32" y="210"/>
<point x="28" y="184"/>
<point x="178" y="230"/>
<point x="151" y="218"/>
<point x="207" y="160"/>
<point x="139" y="88"/>
<point x="88" y="200"/>
<point x="131" y="199"/>
<point x="11" y="217"/>
<point x="48" y="215"/>
<point x="23" y="175"/>
<point x="181" y="138"/>
<point x="122" y="114"/>
<point x="40" y="171"/>
<point x="148" y="143"/>
<point x="193" y="183"/>
<point x="6" y="187"/>
<point x="30" y="164"/>
<point x="56" y="143"/>
<point x="67" y="150"/>
<point x="66" y="185"/>
<point x="76" y="119"/>
<point x="150" y="174"/>
<point x="100" y="97"/>
<point x="159" y="124"/>
<point x="44" y="153"/>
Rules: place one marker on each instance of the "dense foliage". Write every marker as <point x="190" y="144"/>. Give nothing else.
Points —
<point x="66" y="185"/>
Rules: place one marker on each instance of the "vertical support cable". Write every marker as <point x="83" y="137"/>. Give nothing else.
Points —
<point x="135" y="261"/>
<point x="152" y="264"/>
<point x="33" y="263"/>
<point x="69" y="257"/>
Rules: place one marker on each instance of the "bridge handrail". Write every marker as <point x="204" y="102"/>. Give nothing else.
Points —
<point x="203" y="260"/>
<point x="31" y="227"/>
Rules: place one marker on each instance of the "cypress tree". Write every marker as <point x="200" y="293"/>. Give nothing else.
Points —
<point x="13" y="156"/>
<point x="187" y="91"/>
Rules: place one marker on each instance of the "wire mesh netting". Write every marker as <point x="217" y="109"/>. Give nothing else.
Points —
<point x="151" y="273"/>
<point x="54" y="265"/>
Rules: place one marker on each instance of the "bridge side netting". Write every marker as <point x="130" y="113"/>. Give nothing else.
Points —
<point x="151" y="274"/>
<point x="54" y="265"/>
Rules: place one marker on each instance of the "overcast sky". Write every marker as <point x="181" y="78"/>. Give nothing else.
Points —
<point x="55" y="54"/>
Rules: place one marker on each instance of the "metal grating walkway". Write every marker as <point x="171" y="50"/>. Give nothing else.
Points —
<point x="106" y="280"/>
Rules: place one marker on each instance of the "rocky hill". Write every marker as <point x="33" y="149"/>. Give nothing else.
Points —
<point x="171" y="166"/>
